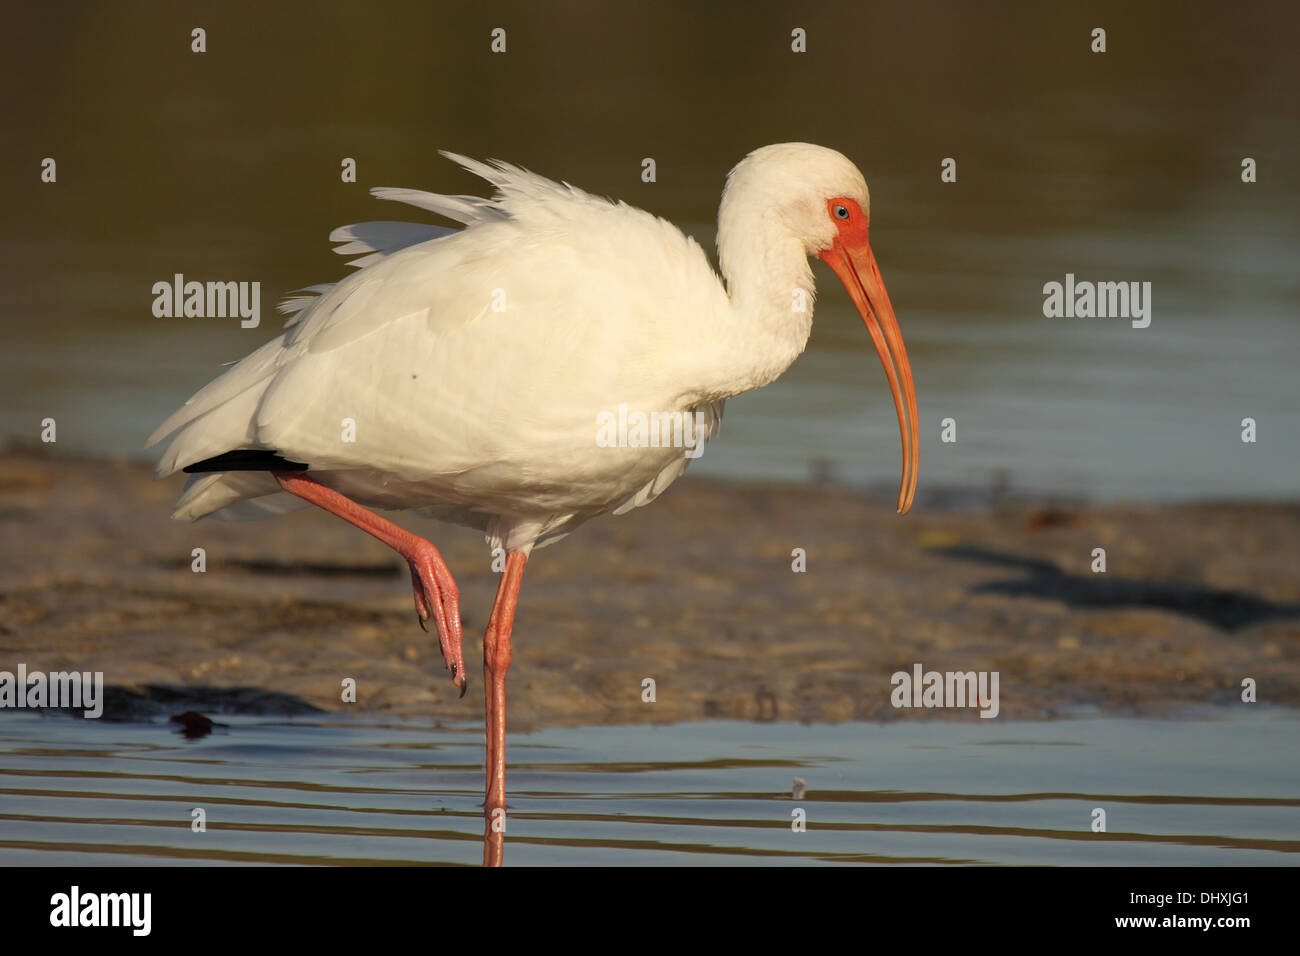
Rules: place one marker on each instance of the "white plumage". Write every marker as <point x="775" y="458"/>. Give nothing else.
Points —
<point x="488" y="418"/>
<point x="473" y="367"/>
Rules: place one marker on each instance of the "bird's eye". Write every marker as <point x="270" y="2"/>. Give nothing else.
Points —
<point x="842" y="212"/>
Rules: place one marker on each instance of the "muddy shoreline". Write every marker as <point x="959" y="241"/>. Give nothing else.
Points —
<point x="697" y="592"/>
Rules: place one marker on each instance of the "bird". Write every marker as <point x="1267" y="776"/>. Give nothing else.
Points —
<point x="473" y="373"/>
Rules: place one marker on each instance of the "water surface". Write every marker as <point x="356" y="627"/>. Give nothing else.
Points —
<point x="338" y="790"/>
<point x="1123" y="166"/>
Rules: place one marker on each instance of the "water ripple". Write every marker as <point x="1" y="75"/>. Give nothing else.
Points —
<point x="290" y="791"/>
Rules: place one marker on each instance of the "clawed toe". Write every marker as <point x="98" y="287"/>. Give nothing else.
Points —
<point x="433" y="598"/>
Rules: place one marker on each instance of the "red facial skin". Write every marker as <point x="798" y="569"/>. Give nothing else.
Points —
<point x="851" y="257"/>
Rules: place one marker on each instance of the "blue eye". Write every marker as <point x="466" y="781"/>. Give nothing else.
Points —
<point x="842" y="212"/>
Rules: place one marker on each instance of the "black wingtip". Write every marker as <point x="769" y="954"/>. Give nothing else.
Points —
<point x="244" y="459"/>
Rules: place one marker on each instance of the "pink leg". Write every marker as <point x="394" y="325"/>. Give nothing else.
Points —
<point x="497" y="654"/>
<point x="435" y="590"/>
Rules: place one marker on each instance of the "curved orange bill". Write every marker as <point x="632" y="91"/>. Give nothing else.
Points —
<point x="857" y="269"/>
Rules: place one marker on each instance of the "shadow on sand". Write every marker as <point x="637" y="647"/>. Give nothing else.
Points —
<point x="1228" y="610"/>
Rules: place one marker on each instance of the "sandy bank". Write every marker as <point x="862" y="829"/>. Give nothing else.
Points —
<point x="695" y="591"/>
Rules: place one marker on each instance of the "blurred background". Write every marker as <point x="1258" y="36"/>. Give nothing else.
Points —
<point x="1122" y="166"/>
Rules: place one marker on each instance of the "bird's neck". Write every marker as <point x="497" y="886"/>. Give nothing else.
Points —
<point x="771" y="292"/>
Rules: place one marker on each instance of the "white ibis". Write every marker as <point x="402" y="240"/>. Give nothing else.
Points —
<point x="464" y="374"/>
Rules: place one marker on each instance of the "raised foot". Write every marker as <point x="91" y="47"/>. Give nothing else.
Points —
<point x="437" y="596"/>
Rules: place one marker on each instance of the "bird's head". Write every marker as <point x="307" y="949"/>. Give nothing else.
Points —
<point x="820" y="199"/>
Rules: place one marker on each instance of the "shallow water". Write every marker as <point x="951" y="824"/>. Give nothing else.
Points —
<point x="1115" y="167"/>
<point x="332" y="789"/>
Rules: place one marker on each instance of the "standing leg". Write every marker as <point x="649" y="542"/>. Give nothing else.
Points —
<point x="435" y="590"/>
<point x="497" y="654"/>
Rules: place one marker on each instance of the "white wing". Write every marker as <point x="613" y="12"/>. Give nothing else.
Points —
<point x="472" y="363"/>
